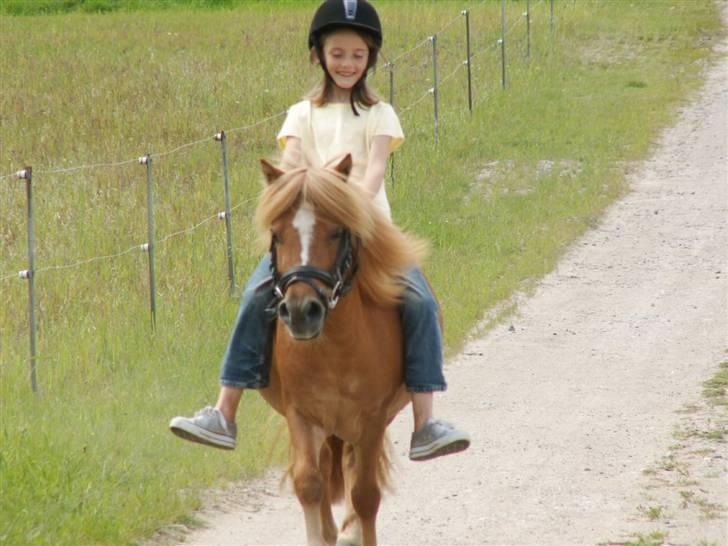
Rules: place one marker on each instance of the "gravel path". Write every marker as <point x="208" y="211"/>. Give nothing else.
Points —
<point x="570" y="401"/>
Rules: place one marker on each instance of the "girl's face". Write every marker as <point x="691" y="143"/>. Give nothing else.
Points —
<point x="346" y="56"/>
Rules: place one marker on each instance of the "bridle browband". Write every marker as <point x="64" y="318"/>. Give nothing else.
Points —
<point x="338" y="280"/>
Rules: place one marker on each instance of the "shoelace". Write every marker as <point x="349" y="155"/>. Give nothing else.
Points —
<point x="207" y="410"/>
<point x="436" y="423"/>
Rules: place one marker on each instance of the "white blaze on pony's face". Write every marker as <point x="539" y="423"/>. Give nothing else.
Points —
<point x="304" y="222"/>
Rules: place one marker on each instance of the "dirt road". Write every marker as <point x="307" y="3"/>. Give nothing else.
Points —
<point x="571" y="400"/>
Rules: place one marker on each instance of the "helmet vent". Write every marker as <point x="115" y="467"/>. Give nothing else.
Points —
<point x="350" y="9"/>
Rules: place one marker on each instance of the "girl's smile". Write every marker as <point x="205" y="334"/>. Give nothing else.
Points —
<point x="346" y="56"/>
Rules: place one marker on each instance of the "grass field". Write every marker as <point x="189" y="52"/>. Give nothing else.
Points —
<point x="88" y="459"/>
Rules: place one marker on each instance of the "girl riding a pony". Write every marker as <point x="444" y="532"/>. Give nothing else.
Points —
<point x="342" y="115"/>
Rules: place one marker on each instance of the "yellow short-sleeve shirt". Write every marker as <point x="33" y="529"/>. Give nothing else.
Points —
<point x="332" y="130"/>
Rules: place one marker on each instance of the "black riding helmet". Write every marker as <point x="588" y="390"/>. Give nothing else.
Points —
<point x="355" y="14"/>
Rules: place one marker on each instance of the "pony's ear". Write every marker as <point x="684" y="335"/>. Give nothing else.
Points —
<point x="270" y="172"/>
<point x="345" y="165"/>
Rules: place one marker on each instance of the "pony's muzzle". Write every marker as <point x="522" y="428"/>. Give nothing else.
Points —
<point x="303" y="316"/>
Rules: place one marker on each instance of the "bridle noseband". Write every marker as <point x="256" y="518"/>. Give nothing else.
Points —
<point x="338" y="280"/>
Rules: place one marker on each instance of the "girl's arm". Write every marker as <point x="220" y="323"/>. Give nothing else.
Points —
<point x="291" y="153"/>
<point x="378" y="155"/>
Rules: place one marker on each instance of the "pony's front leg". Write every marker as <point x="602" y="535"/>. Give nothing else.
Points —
<point x="308" y="482"/>
<point x="326" y="467"/>
<point x="366" y="492"/>
<point x="350" y="534"/>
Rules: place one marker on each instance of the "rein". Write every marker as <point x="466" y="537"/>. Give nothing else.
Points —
<point x="338" y="280"/>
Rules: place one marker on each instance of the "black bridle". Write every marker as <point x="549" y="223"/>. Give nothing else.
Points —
<point x="338" y="280"/>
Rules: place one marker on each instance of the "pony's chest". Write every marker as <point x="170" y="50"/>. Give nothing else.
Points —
<point x="333" y="388"/>
<point x="329" y="380"/>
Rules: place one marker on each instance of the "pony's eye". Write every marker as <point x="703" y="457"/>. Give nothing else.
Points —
<point x="337" y="234"/>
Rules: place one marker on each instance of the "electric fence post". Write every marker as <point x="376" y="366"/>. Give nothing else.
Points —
<point x="434" y="89"/>
<point x="502" y="43"/>
<point x="390" y="67"/>
<point x="466" y="13"/>
<point x="29" y="274"/>
<point x="226" y="214"/>
<point x="149" y="245"/>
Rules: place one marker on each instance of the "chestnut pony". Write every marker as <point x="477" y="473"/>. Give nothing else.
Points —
<point x="337" y="361"/>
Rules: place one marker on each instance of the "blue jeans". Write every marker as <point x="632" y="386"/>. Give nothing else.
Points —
<point x="245" y="364"/>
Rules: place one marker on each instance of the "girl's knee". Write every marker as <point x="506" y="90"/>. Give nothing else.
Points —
<point x="417" y="301"/>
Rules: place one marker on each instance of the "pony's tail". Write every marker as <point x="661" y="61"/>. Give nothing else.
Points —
<point x="336" y="476"/>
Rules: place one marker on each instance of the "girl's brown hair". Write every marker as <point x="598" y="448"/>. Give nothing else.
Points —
<point x="361" y="94"/>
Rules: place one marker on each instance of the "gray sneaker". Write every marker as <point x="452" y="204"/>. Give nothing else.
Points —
<point x="208" y="427"/>
<point x="437" y="438"/>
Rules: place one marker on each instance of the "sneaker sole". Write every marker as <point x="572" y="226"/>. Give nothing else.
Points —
<point x="455" y="446"/>
<point x="199" y="435"/>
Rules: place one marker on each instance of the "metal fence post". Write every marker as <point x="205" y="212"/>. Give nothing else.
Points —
<point x="390" y="66"/>
<point x="502" y="42"/>
<point x="226" y="215"/>
<point x="466" y="13"/>
<point x="433" y="39"/>
<point x="149" y="246"/>
<point x="552" y="17"/>
<point x="528" y="30"/>
<point x="29" y="274"/>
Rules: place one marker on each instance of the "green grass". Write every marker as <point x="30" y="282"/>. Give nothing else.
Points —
<point x="656" y="538"/>
<point x="715" y="389"/>
<point x="79" y="459"/>
<point x="652" y="512"/>
<point x="51" y="7"/>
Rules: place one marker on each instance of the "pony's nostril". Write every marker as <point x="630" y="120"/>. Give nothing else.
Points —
<point x="315" y="311"/>
<point x="283" y="311"/>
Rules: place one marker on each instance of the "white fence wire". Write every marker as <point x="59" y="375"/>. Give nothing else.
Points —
<point x="403" y="111"/>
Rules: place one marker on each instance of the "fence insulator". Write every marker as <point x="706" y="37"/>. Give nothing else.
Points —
<point x="219" y="136"/>
<point x="22" y="174"/>
<point x="221" y="215"/>
<point x="143" y="160"/>
<point x="144" y="247"/>
<point x="25" y="274"/>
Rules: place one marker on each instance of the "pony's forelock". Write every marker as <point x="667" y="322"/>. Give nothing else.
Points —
<point x="326" y="190"/>
<point x="385" y="252"/>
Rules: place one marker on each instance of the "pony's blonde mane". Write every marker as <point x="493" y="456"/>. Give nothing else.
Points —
<point x="384" y="251"/>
